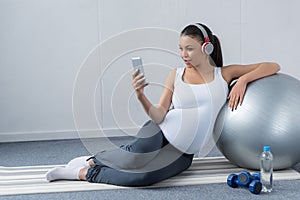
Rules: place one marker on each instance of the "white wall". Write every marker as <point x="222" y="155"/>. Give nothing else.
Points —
<point x="45" y="44"/>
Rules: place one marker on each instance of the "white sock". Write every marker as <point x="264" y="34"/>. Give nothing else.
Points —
<point x="63" y="173"/>
<point x="79" y="162"/>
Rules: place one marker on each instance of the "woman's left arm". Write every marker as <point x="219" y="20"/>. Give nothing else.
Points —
<point x="245" y="75"/>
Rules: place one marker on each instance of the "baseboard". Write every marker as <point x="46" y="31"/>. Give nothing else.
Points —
<point x="64" y="134"/>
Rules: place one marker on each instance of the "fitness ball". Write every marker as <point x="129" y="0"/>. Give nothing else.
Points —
<point x="269" y="115"/>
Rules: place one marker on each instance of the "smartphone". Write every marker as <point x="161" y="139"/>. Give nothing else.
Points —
<point x="137" y="64"/>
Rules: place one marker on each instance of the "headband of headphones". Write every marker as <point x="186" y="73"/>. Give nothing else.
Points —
<point x="202" y="29"/>
<point x="207" y="46"/>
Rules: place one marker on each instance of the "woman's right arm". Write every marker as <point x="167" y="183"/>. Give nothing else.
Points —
<point x="156" y="113"/>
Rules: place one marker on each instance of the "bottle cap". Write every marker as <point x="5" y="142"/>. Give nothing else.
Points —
<point x="266" y="148"/>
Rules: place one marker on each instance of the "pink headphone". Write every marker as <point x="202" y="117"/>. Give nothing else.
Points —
<point x="207" y="46"/>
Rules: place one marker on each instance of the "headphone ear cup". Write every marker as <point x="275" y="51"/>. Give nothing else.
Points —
<point x="207" y="48"/>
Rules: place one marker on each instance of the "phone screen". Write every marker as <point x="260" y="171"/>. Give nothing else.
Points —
<point x="137" y="64"/>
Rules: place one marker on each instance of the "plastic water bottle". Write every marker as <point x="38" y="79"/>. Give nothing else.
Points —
<point x="266" y="169"/>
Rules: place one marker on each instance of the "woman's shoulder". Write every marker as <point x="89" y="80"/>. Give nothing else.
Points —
<point x="226" y="72"/>
<point x="177" y="70"/>
<point x="173" y="74"/>
<point x="171" y="77"/>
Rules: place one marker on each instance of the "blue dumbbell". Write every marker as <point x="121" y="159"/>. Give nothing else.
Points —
<point x="245" y="179"/>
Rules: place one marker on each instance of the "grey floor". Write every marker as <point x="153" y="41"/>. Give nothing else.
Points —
<point x="60" y="152"/>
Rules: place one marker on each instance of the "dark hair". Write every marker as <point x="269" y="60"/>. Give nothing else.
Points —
<point x="195" y="32"/>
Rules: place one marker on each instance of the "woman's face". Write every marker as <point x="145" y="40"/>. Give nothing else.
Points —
<point x="190" y="51"/>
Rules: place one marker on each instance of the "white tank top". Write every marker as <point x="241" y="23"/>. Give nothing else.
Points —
<point x="189" y="126"/>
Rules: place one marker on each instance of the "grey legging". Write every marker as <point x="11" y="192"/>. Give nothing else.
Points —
<point x="147" y="160"/>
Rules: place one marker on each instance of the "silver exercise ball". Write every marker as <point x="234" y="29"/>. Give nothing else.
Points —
<point x="269" y="115"/>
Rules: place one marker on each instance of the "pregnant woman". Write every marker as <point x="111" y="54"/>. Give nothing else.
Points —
<point x="166" y="144"/>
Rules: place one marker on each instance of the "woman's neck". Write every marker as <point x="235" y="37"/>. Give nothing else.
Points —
<point x="197" y="75"/>
<point x="203" y="70"/>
